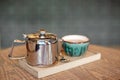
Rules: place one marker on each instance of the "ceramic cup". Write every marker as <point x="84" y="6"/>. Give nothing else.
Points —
<point x="75" y="45"/>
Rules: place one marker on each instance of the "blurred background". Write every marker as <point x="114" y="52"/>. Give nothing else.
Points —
<point x="97" y="19"/>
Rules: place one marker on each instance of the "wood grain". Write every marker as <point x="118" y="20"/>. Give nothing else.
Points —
<point x="38" y="72"/>
<point x="108" y="68"/>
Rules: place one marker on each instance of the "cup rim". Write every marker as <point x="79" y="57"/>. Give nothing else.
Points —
<point x="74" y="36"/>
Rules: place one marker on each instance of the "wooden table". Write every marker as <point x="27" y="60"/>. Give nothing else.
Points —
<point x="108" y="68"/>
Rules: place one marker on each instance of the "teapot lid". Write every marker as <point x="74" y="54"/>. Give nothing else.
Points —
<point x="42" y="34"/>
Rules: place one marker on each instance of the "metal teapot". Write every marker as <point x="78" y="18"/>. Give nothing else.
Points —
<point x="42" y="48"/>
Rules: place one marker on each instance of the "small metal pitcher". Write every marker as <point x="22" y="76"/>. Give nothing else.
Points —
<point x="42" y="48"/>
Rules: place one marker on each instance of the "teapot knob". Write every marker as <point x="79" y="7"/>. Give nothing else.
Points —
<point x="42" y="33"/>
<point x="24" y="36"/>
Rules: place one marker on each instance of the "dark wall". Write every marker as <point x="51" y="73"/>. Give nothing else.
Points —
<point x="97" y="19"/>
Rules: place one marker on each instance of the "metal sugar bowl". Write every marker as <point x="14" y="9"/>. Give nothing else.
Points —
<point x="42" y="48"/>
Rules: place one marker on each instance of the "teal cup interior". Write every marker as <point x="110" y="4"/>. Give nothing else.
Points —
<point x="75" y="45"/>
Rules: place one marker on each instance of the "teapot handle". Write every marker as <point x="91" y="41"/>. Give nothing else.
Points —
<point x="11" y="51"/>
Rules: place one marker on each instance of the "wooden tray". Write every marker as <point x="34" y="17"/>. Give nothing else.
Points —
<point x="74" y="62"/>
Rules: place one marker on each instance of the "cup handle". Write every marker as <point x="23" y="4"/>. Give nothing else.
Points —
<point x="11" y="51"/>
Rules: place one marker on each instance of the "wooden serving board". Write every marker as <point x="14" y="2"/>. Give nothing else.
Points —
<point x="74" y="62"/>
